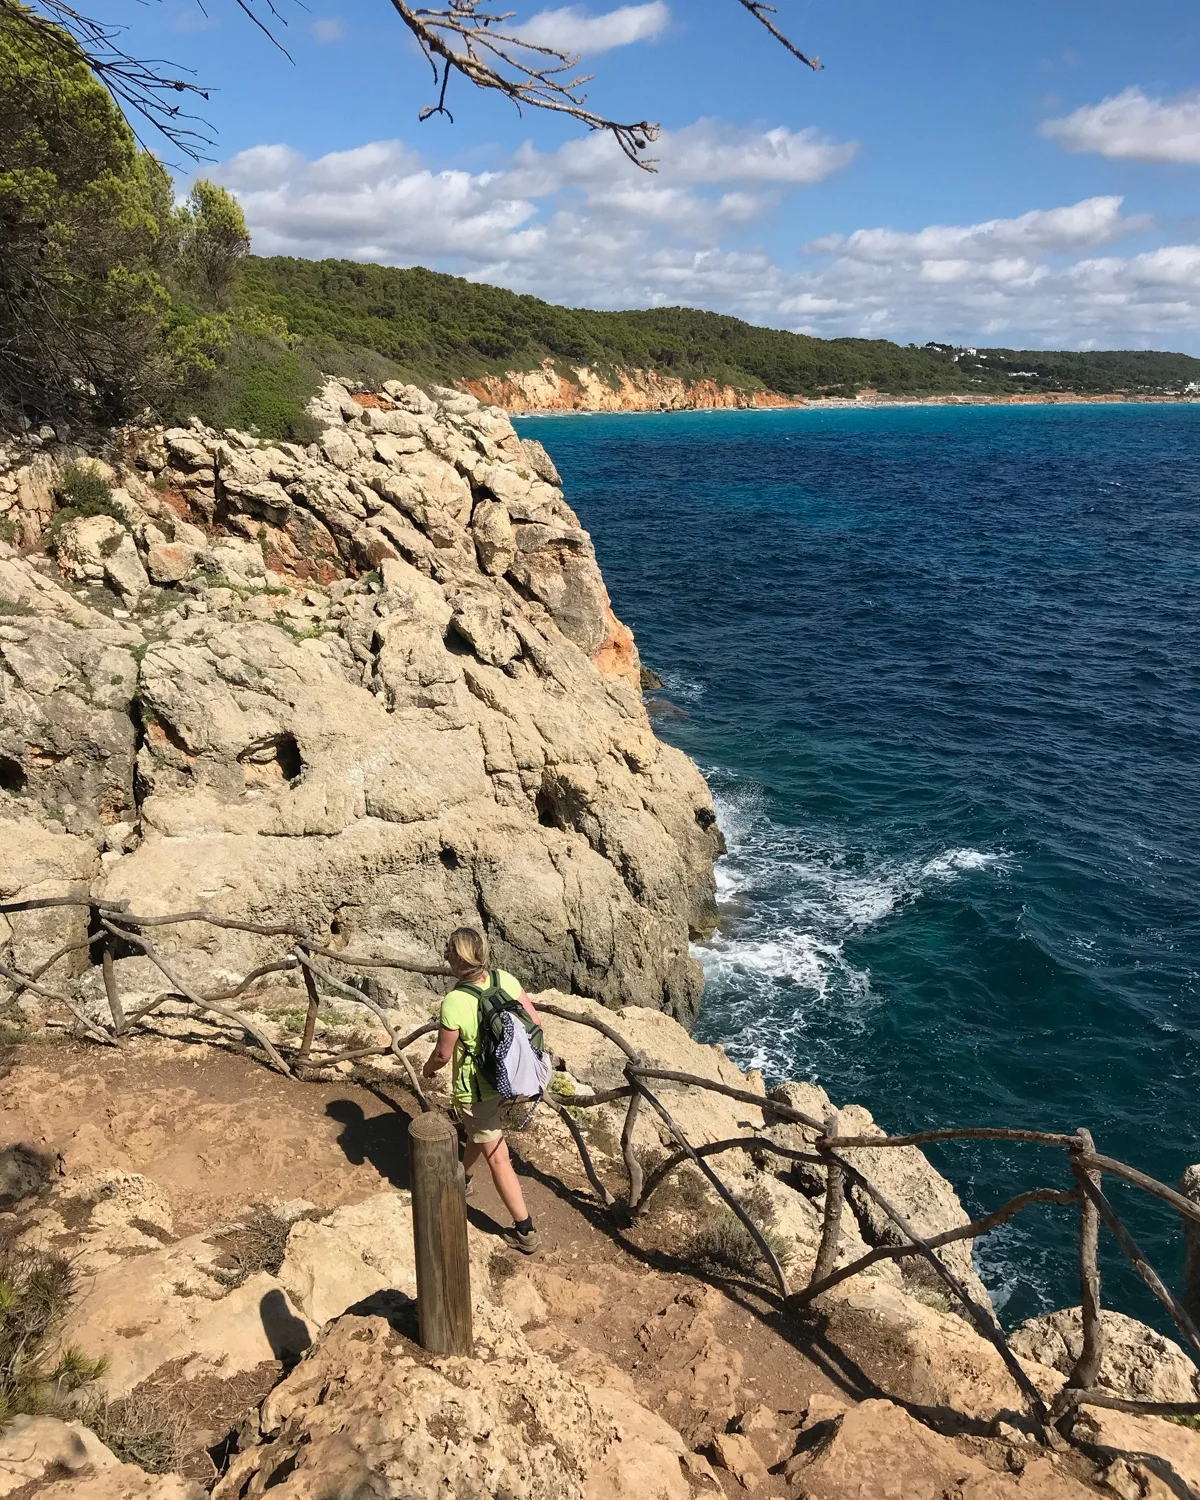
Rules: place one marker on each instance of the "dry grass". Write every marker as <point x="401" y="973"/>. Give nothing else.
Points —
<point x="931" y="1296"/>
<point x="683" y="1191"/>
<point x="36" y="1376"/>
<point x="259" y="1243"/>
<point x="500" y="1267"/>
<point x="25" y="1172"/>
<point x="723" y="1243"/>
<point x="598" y="1131"/>
<point x="142" y="1429"/>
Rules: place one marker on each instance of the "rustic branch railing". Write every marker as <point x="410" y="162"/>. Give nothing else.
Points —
<point x="113" y="926"/>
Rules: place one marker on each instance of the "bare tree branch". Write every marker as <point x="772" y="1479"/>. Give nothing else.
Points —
<point x="473" y="41"/>
<point x="146" y="90"/>
<point x="466" y="39"/>
<point x="763" y="13"/>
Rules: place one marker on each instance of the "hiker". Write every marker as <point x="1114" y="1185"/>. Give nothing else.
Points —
<point x="476" y="1102"/>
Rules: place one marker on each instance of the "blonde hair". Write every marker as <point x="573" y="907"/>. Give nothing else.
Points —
<point x="467" y="949"/>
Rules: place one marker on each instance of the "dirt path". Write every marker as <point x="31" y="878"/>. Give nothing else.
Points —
<point x="218" y="1132"/>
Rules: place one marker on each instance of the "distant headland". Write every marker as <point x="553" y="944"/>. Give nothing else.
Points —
<point x="374" y="322"/>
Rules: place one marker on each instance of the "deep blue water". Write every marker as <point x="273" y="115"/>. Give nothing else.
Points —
<point x="942" y="669"/>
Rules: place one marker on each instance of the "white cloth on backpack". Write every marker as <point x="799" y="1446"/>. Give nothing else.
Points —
<point x="522" y="1072"/>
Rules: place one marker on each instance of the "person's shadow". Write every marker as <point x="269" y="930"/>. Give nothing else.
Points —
<point x="381" y="1139"/>
<point x="286" y="1333"/>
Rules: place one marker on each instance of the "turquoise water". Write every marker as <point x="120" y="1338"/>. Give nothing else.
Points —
<point x="942" y="669"/>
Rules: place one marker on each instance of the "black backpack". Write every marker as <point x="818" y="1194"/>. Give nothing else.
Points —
<point x="494" y="1003"/>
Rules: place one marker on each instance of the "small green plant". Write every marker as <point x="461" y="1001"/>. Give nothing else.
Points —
<point x="36" y="1376"/>
<point x="86" y="491"/>
<point x="725" y="1244"/>
<point x="1184" y="1421"/>
<point x="8" y="529"/>
<point x="80" y="492"/>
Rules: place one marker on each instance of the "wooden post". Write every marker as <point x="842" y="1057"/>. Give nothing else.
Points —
<point x="835" y="1197"/>
<point x="314" y="1004"/>
<point x="632" y="1165"/>
<point x="110" y="987"/>
<point x="439" y="1204"/>
<point x="1086" y="1370"/>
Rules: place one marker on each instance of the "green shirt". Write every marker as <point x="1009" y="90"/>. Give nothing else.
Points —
<point x="460" y="1012"/>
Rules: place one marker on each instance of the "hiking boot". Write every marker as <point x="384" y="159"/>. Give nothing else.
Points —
<point x="528" y="1243"/>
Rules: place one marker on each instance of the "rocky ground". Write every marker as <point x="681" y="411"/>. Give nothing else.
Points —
<point x="243" y="1249"/>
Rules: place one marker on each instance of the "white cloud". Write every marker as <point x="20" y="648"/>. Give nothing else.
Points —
<point x="706" y="153"/>
<point x="328" y="29"/>
<point x="571" y="30"/>
<point x="582" y="226"/>
<point x="1094" y="221"/>
<point x="372" y="203"/>
<point x="1133" y="127"/>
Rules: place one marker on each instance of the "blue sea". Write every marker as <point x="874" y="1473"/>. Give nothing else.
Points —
<point x="941" y="668"/>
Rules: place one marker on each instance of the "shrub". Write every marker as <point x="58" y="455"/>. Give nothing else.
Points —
<point x="724" y="1243"/>
<point x="84" y="491"/>
<point x="257" y="384"/>
<point x="36" y="1377"/>
<point x="80" y="491"/>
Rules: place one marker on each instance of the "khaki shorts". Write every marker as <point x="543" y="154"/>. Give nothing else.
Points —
<point x="481" y="1120"/>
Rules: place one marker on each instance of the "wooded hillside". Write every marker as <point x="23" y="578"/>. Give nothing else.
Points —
<point x="434" y="326"/>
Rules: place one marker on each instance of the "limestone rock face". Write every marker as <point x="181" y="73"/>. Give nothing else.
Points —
<point x="367" y="1413"/>
<point x="394" y="700"/>
<point x="1138" y="1362"/>
<point x="84" y="545"/>
<point x="922" y="1356"/>
<point x="879" y="1450"/>
<point x="36" y="862"/>
<point x="176" y="1308"/>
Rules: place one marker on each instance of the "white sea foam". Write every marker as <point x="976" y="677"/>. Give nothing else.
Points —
<point x="954" y="861"/>
<point x="790" y="898"/>
<point x="682" y="688"/>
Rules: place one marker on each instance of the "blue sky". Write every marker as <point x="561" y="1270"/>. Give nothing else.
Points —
<point x="1018" y="173"/>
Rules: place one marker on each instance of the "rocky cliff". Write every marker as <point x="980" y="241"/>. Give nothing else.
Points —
<point x="373" y="684"/>
<point x="586" y="389"/>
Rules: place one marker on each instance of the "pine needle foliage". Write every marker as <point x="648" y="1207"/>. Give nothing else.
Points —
<point x="37" y="1375"/>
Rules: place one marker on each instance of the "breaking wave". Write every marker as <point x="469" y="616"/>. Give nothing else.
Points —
<point x="789" y="900"/>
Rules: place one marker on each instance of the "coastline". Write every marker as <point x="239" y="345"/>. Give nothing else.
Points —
<point x="841" y="403"/>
